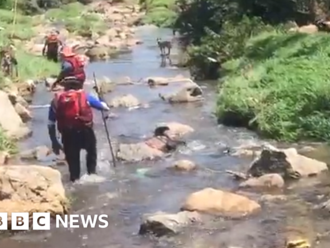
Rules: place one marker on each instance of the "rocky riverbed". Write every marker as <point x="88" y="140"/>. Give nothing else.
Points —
<point x="117" y="37"/>
<point x="187" y="199"/>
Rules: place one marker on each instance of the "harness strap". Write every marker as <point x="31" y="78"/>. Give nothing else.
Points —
<point x="79" y="103"/>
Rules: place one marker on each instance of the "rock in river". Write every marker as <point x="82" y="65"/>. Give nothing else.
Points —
<point x="287" y="162"/>
<point x="183" y="165"/>
<point x="137" y="152"/>
<point x="126" y="101"/>
<point x="265" y="181"/>
<point x="177" y="130"/>
<point x="161" y="223"/>
<point x="219" y="202"/>
<point x="31" y="188"/>
<point x="38" y="153"/>
<point x="189" y="92"/>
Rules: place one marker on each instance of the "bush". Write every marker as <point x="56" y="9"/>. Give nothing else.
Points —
<point x="75" y="20"/>
<point x="159" y="12"/>
<point x="215" y="49"/>
<point x="279" y="87"/>
<point x="65" y="12"/>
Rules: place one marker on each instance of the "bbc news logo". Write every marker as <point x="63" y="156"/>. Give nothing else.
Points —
<point x="42" y="221"/>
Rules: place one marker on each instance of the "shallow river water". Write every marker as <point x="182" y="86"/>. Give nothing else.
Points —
<point x="125" y="195"/>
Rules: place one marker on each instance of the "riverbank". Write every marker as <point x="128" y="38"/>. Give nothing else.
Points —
<point x="272" y="75"/>
<point x="279" y="87"/>
<point x="117" y="192"/>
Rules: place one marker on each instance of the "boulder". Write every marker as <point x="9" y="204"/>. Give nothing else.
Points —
<point x="265" y="181"/>
<point x="101" y="52"/>
<point x="26" y="90"/>
<point x="137" y="152"/>
<point x="124" y="81"/>
<point x="189" y="92"/>
<point x="49" y="81"/>
<point x="286" y="162"/>
<point x="10" y="121"/>
<point x="105" y="85"/>
<point x="177" y="130"/>
<point x="161" y="223"/>
<point x="162" y="81"/>
<point x="183" y="165"/>
<point x="219" y="202"/>
<point x="31" y="189"/>
<point x="111" y="33"/>
<point x="23" y="112"/>
<point x="38" y="153"/>
<point x="126" y="101"/>
<point x="103" y="40"/>
<point x="308" y="29"/>
<point x="14" y="97"/>
<point x="157" y="81"/>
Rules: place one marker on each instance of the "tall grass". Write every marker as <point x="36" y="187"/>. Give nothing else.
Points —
<point x="159" y="12"/>
<point x="29" y="66"/>
<point x="7" y="144"/>
<point x="280" y="86"/>
<point x="76" y="20"/>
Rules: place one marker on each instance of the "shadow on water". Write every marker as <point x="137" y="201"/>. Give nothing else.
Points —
<point x="125" y="196"/>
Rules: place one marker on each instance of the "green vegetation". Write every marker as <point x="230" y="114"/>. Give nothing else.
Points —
<point x="30" y="66"/>
<point x="280" y="86"/>
<point x="33" y="67"/>
<point x="159" y="12"/>
<point x="6" y="144"/>
<point x="273" y="81"/>
<point x="77" y="20"/>
<point x="16" y="31"/>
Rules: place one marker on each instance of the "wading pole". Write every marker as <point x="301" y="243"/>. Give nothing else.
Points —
<point x="96" y="88"/>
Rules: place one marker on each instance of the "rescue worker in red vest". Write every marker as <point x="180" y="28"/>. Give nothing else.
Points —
<point x="71" y="111"/>
<point x="72" y="66"/>
<point x="52" y="46"/>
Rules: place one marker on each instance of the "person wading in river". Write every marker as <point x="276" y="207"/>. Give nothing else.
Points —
<point x="8" y="62"/>
<point x="72" y="66"/>
<point x="71" y="110"/>
<point x="52" y="46"/>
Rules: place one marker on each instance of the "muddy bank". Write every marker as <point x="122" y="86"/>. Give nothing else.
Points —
<point x="126" y="193"/>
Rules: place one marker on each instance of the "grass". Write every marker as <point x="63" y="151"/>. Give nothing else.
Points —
<point x="34" y="67"/>
<point x="7" y="144"/>
<point x="280" y="86"/>
<point x="22" y="29"/>
<point x="30" y="66"/>
<point x="76" y="20"/>
<point x="159" y="12"/>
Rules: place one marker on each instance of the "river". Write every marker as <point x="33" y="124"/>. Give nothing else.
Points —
<point x="125" y="195"/>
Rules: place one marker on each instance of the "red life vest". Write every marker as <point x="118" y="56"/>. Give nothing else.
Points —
<point x="52" y="39"/>
<point x="72" y="110"/>
<point x="78" y="68"/>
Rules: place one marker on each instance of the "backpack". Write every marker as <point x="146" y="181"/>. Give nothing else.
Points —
<point x="81" y="60"/>
<point x="73" y="110"/>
